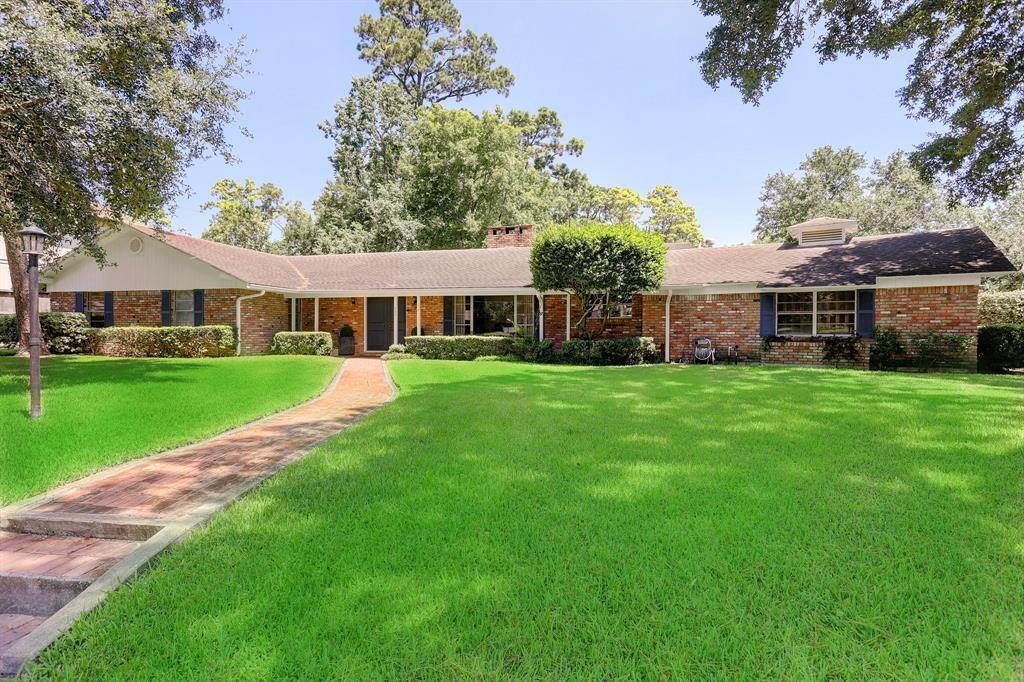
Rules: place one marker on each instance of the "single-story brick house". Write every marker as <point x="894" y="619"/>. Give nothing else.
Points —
<point x="828" y="282"/>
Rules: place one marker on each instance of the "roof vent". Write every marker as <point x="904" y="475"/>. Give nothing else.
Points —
<point x="823" y="231"/>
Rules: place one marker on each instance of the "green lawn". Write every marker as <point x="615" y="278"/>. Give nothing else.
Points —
<point x="518" y="521"/>
<point x="99" y="411"/>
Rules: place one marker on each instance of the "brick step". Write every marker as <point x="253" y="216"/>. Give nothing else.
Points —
<point x="60" y="556"/>
<point x="37" y="595"/>
<point x="14" y="626"/>
<point x="82" y="525"/>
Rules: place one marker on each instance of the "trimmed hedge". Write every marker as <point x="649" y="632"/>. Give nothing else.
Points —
<point x="164" y="342"/>
<point x="302" y="343"/>
<point x="8" y="330"/>
<point x="1001" y="307"/>
<point x="1000" y="347"/>
<point x="632" y="351"/>
<point x="457" y="347"/>
<point x="64" y="333"/>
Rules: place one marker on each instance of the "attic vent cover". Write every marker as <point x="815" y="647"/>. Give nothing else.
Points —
<point x="135" y="245"/>
<point x="830" y="236"/>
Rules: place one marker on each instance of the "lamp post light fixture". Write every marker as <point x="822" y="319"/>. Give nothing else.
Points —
<point x="32" y="241"/>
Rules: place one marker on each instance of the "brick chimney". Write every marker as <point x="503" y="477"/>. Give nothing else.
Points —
<point x="509" y="235"/>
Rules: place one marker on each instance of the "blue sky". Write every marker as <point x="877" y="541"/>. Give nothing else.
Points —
<point x="619" y="74"/>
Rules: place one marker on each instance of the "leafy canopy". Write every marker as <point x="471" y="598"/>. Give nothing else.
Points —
<point x="244" y="213"/>
<point x="887" y="198"/>
<point x="105" y="102"/>
<point x="966" y="75"/>
<point x="672" y="218"/>
<point x="421" y="46"/>
<point x="598" y="264"/>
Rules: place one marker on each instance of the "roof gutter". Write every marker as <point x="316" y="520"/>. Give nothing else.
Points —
<point x="238" y="319"/>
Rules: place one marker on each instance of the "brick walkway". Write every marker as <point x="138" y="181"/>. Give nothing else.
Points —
<point x="83" y="536"/>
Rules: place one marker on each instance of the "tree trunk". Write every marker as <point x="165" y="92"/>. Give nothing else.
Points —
<point x="19" y="287"/>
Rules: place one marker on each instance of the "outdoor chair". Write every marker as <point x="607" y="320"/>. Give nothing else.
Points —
<point x="703" y="351"/>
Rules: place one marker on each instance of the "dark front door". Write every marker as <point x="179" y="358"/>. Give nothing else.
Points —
<point x="380" y="323"/>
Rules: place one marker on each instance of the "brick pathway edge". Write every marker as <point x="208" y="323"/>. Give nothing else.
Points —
<point x="26" y="649"/>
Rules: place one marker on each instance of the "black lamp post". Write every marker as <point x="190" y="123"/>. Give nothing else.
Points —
<point x="32" y="241"/>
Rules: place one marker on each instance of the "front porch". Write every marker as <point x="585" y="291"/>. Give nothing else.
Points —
<point x="380" y="321"/>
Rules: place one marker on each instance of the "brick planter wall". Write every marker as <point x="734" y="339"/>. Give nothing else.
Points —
<point x="795" y="352"/>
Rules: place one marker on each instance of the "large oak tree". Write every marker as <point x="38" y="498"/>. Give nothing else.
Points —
<point x="105" y="103"/>
<point x="967" y="74"/>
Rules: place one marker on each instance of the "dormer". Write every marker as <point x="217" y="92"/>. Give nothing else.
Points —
<point x="823" y="231"/>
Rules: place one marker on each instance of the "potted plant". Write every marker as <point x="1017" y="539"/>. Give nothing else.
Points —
<point x="346" y="341"/>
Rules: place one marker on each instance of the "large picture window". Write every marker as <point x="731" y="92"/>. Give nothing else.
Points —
<point x="820" y="313"/>
<point x="184" y="307"/>
<point x="795" y="314"/>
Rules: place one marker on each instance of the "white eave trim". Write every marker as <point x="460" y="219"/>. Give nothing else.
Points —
<point x="372" y="293"/>
<point x="928" y="281"/>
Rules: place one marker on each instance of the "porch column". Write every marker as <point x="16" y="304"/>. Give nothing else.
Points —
<point x="293" y="314"/>
<point x="394" y="327"/>
<point x="568" y="315"/>
<point x="419" y="319"/>
<point x="668" y="325"/>
<point x="316" y="314"/>
<point x="540" y="321"/>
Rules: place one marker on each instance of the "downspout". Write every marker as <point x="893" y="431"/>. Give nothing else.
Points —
<point x="540" y="307"/>
<point x="238" y="318"/>
<point x="668" y="325"/>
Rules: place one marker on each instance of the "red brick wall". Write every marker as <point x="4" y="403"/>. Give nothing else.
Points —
<point x="952" y="309"/>
<point x="617" y="328"/>
<point x="137" y="309"/>
<point x="62" y="302"/>
<point x="262" y="317"/>
<point x="946" y="309"/>
<point x="334" y="312"/>
<point x="727" y="319"/>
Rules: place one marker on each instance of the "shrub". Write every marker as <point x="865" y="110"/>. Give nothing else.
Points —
<point x="840" y="349"/>
<point x="1001" y="307"/>
<point x="457" y="347"/>
<point x="632" y="351"/>
<point x="533" y="350"/>
<point x="8" y="330"/>
<point x="399" y="356"/>
<point x="346" y="331"/>
<point x="887" y="350"/>
<point x="396" y="348"/>
<point x="302" y="343"/>
<point x="1000" y="347"/>
<point x="164" y="342"/>
<point x="65" y="333"/>
<point x="930" y="349"/>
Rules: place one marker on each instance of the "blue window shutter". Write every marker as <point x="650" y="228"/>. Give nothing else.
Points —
<point x="79" y="301"/>
<point x="767" y="315"/>
<point x="449" y="316"/>
<point x="199" y="301"/>
<point x="866" y="313"/>
<point x="165" y="308"/>
<point x="108" y="308"/>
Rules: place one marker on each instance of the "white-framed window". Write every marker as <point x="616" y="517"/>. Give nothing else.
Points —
<point x="816" y="313"/>
<point x="617" y="309"/>
<point x="183" y="306"/>
<point x="95" y="308"/>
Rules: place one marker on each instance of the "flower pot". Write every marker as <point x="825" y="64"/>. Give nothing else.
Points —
<point x="346" y="345"/>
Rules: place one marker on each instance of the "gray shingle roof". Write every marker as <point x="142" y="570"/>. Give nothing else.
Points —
<point x="858" y="262"/>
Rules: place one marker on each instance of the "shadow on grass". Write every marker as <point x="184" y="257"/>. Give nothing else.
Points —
<point x="530" y="521"/>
